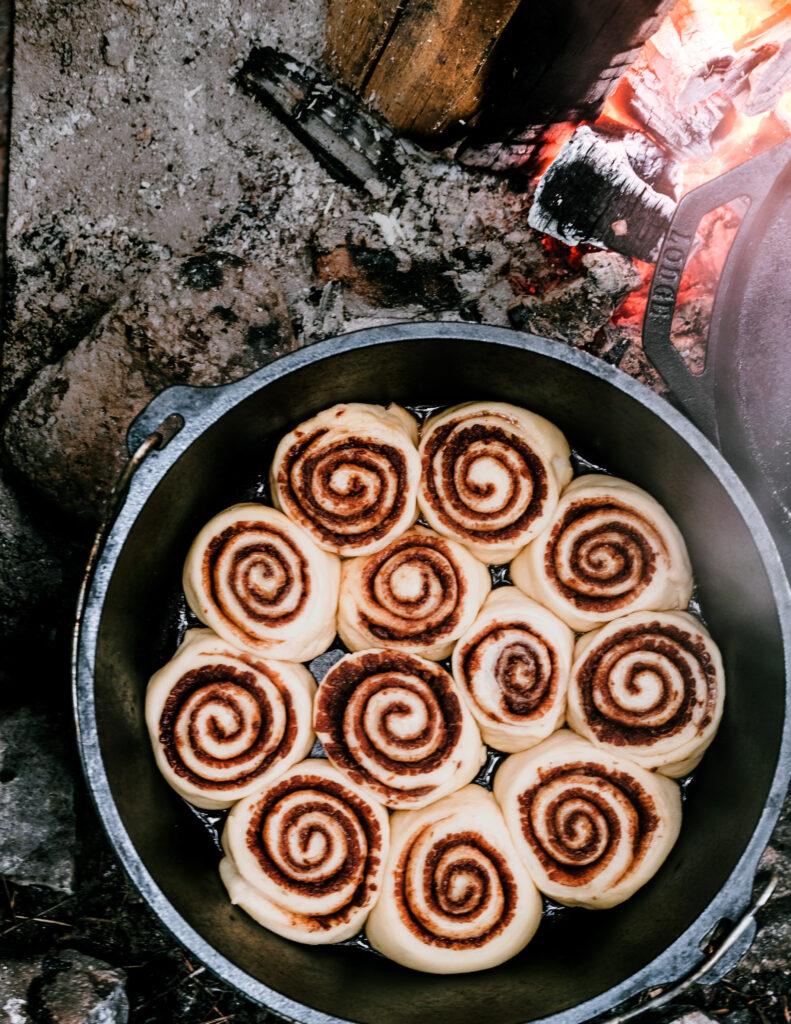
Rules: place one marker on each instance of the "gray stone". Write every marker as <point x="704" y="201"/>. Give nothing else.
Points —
<point x="16" y="977"/>
<point x="777" y="856"/>
<point x="37" y="826"/>
<point x="114" y="167"/>
<point x="117" y="46"/>
<point x="63" y="987"/>
<point x="770" y="950"/>
<point x="207" y="320"/>
<point x="31" y="575"/>
<point x="574" y="311"/>
<point x="693" y="1017"/>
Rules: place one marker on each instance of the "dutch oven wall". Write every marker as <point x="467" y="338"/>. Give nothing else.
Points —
<point x="581" y="953"/>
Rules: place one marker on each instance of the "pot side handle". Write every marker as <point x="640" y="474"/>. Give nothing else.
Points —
<point x="721" y="956"/>
<point x="182" y="400"/>
<point x="751" y="180"/>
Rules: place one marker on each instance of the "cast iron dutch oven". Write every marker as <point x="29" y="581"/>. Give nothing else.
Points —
<point x="581" y="963"/>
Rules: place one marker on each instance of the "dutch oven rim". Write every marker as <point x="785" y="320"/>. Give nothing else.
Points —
<point x="201" y="408"/>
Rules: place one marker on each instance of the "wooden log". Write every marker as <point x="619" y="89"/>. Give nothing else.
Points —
<point x="423" y="64"/>
<point x="649" y="95"/>
<point x="704" y="53"/>
<point x="556" y="62"/>
<point x="591" y="193"/>
<point x="353" y="145"/>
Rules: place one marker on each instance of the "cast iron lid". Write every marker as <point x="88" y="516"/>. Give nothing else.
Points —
<point x="742" y="400"/>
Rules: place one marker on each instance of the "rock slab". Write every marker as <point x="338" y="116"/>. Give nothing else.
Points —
<point x="37" y="824"/>
<point x="214" y="319"/>
<point x="63" y="987"/>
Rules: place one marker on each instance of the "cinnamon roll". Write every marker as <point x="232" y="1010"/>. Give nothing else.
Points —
<point x="349" y="476"/>
<point x="609" y="549"/>
<point x="512" y="666"/>
<point x="305" y="854"/>
<point x="419" y="594"/>
<point x="491" y="477"/>
<point x="455" y="896"/>
<point x="396" y="725"/>
<point x="260" y="582"/>
<point x="222" y="722"/>
<point x="590" y="826"/>
<point x="649" y="686"/>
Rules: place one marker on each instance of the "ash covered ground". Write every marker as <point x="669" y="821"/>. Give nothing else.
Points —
<point x="165" y="228"/>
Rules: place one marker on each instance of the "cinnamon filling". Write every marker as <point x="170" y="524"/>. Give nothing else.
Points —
<point x="447" y="457"/>
<point x="214" y="679"/>
<point x="341" y="518"/>
<point x="670" y="642"/>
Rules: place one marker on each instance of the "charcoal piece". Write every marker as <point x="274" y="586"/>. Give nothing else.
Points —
<point x="694" y="50"/>
<point x="687" y="132"/>
<point x="592" y="194"/>
<point x="769" y="82"/>
<point x="351" y="144"/>
<point x="575" y="310"/>
<point x="743" y="78"/>
<point x="646" y="157"/>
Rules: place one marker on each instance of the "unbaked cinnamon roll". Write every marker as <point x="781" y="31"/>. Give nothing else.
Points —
<point x="222" y="721"/>
<point x="455" y="895"/>
<point x="260" y="582"/>
<point x="305" y="854"/>
<point x="349" y="476"/>
<point x="419" y="594"/>
<point x="649" y="686"/>
<point x="590" y="826"/>
<point x="609" y="549"/>
<point x="491" y="476"/>
<point x="512" y="666"/>
<point x="396" y="725"/>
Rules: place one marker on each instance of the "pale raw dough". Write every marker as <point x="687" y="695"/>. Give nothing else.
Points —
<point x="649" y="686"/>
<point x="512" y="666"/>
<point x="222" y="722"/>
<point x="419" y="595"/>
<point x="349" y="476"/>
<point x="397" y="726"/>
<point x="560" y="800"/>
<point x="305" y="854"/>
<point x="610" y="549"/>
<point x="491" y="476"/>
<point x="455" y="897"/>
<point x="260" y="582"/>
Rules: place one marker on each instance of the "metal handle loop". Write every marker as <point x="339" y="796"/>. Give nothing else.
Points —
<point x="667" y="995"/>
<point x="154" y="442"/>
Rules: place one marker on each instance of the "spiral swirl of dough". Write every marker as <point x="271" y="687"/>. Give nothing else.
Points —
<point x="649" y="686"/>
<point x="396" y="725"/>
<point x="491" y="476"/>
<point x="419" y="594"/>
<point x="223" y="722"/>
<point x="590" y="826"/>
<point x="513" y="666"/>
<point x="349" y="476"/>
<point x="455" y="895"/>
<point x="261" y="583"/>
<point x="305" y="854"/>
<point x="609" y="549"/>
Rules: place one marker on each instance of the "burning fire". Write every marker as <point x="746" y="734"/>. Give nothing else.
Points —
<point x="732" y="35"/>
<point x="745" y="25"/>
